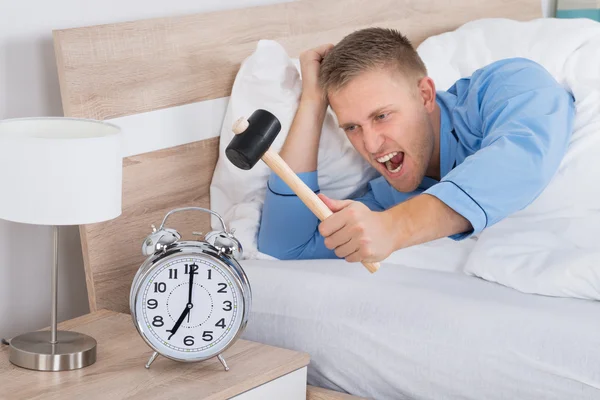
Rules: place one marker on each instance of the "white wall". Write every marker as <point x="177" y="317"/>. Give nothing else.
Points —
<point x="29" y="87"/>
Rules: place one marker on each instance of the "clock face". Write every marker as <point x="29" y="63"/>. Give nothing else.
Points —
<point x="189" y="307"/>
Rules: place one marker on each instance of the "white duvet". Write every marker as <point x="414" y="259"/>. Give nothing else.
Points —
<point x="552" y="247"/>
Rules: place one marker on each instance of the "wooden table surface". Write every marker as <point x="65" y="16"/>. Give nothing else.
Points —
<point x="119" y="371"/>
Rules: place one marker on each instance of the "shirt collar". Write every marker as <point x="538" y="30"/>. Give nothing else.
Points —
<point x="448" y="136"/>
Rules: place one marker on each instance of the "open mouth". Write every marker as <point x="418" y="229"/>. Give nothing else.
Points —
<point x="392" y="161"/>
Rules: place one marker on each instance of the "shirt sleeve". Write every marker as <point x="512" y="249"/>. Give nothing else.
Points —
<point x="288" y="229"/>
<point x="526" y="122"/>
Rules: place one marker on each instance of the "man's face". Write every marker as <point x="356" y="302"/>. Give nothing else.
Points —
<point x="388" y="123"/>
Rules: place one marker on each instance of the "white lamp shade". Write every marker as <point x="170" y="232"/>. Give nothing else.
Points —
<point x="60" y="171"/>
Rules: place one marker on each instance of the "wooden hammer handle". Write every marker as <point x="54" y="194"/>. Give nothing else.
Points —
<point x="308" y="197"/>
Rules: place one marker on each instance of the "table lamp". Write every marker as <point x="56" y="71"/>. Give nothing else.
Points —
<point x="58" y="171"/>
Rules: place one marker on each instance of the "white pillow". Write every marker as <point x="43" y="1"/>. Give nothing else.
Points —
<point x="270" y="79"/>
<point x="453" y="55"/>
<point x="545" y="248"/>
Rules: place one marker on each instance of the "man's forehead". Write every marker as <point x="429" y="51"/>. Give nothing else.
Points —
<point x="368" y="86"/>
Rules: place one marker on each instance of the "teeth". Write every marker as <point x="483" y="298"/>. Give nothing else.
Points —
<point x="388" y="165"/>
<point x="387" y="157"/>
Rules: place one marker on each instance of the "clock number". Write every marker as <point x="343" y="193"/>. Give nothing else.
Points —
<point x="223" y="286"/>
<point x="172" y="274"/>
<point x="210" y="274"/>
<point x="221" y="323"/>
<point x="228" y="304"/>
<point x="193" y="267"/>
<point x="158" y="321"/>
<point x="152" y="304"/>
<point x="188" y="340"/>
<point x="207" y="336"/>
<point x="160" y="287"/>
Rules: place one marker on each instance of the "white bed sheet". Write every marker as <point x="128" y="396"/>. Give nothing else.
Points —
<point x="408" y="333"/>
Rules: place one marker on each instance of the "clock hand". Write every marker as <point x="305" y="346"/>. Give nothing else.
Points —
<point x="192" y="273"/>
<point x="185" y="312"/>
<point x="191" y="286"/>
<point x="188" y="306"/>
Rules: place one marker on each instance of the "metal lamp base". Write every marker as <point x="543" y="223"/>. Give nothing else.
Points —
<point x="33" y="350"/>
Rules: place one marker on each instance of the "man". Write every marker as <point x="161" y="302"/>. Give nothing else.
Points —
<point x="451" y="163"/>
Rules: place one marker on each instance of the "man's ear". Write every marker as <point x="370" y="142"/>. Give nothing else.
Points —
<point x="427" y="93"/>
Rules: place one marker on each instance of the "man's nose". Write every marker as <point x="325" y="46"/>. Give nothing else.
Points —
<point x="373" y="140"/>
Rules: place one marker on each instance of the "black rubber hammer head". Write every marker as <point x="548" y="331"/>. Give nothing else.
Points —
<point x="257" y="135"/>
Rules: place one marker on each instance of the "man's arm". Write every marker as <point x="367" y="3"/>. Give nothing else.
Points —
<point x="526" y="123"/>
<point x="288" y="228"/>
<point x="301" y="146"/>
<point x="426" y="218"/>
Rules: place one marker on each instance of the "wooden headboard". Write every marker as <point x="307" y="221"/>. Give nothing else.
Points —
<point x="129" y="68"/>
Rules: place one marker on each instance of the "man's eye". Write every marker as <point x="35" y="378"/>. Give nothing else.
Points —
<point x="350" y="128"/>
<point x="382" y="116"/>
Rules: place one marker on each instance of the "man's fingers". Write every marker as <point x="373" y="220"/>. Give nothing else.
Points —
<point x="338" y="239"/>
<point x="332" y="224"/>
<point x="323" y="49"/>
<point x="334" y="205"/>
<point x="342" y="213"/>
<point x="354" y="257"/>
<point x="316" y="54"/>
<point x="346" y="249"/>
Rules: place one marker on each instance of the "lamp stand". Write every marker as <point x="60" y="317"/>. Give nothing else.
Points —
<point x="53" y="350"/>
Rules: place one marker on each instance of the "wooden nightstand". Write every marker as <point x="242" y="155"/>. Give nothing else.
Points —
<point x="257" y="371"/>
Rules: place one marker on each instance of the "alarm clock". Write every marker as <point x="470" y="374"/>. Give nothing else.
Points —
<point x="190" y="299"/>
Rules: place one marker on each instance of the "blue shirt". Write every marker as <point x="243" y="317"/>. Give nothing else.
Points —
<point x="503" y="134"/>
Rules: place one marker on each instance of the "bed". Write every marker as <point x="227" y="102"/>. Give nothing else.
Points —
<point x="417" y="328"/>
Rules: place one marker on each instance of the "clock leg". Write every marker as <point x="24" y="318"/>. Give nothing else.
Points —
<point x="220" y="357"/>
<point x="151" y="360"/>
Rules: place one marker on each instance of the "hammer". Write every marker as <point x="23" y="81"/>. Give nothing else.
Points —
<point x="252" y="141"/>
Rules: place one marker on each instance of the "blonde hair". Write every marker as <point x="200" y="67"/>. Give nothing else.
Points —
<point x="369" y="49"/>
